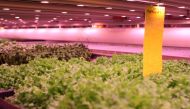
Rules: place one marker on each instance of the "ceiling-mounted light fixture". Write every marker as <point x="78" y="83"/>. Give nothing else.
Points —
<point x="132" y="10"/>
<point x="86" y="14"/>
<point x="64" y="12"/>
<point x="6" y="9"/>
<point x="159" y="3"/>
<point x="181" y="15"/>
<point x="138" y="17"/>
<point x="168" y="14"/>
<point x="37" y="10"/>
<point x="44" y="2"/>
<point x="36" y="18"/>
<point x="182" y="7"/>
<point x="109" y="8"/>
<point x="17" y="17"/>
<point x="80" y="5"/>
<point x="106" y="15"/>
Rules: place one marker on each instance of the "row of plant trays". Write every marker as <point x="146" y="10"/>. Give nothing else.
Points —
<point x="95" y="53"/>
<point x="3" y="94"/>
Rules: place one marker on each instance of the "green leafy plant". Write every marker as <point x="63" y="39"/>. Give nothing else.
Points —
<point x="12" y="53"/>
<point x="107" y="83"/>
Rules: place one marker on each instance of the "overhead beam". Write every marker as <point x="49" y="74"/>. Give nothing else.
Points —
<point x="115" y="4"/>
<point x="50" y="7"/>
<point x="175" y="3"/>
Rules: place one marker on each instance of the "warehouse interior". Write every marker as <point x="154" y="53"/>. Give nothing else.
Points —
<point x="110" y="36"/>
<point x="111" y="24"/>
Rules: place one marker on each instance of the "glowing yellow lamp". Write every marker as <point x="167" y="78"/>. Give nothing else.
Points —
<point x="154" y="28"/>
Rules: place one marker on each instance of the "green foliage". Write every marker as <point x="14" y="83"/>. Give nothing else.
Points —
<point x="107" y="83"/>
<point x="12" y="53"/>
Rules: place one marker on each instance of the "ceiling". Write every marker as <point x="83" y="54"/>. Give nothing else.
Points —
<point x="47" y="13"/>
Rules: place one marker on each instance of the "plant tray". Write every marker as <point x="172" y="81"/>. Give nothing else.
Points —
<point x="6" y="93"/>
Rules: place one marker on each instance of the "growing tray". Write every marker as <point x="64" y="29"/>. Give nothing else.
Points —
<point x="3" y="94"/>
<point x="6" y="93"/>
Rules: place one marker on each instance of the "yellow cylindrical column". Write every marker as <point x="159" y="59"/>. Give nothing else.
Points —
<point x="154" y="28"/>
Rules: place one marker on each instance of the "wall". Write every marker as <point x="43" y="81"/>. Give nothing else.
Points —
<point x="172" y="36"/>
